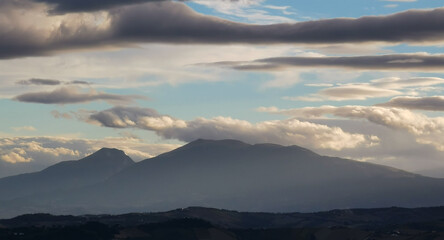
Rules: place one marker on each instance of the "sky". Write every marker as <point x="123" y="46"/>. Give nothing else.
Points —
<point x="355" y="79"/>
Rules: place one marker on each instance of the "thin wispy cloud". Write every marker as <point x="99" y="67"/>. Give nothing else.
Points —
<point x="419" y="62"/>
<point x="384" y="87"/>
<point x="50" y="82"/>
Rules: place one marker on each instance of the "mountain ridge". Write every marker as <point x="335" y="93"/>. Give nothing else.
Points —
<point x="234" y="175"/>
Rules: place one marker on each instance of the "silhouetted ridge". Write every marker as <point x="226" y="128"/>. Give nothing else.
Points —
<point x="226" y="174"/>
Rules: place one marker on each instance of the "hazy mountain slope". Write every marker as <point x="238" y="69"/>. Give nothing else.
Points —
<point x="233" y="175"/>
<point x="66" y="175"/>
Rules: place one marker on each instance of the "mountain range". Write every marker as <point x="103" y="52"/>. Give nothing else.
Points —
<point x="225" y="174"/>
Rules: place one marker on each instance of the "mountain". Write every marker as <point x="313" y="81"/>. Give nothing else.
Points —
<point x="92" y="169"/>
<point x="234" y="175"/>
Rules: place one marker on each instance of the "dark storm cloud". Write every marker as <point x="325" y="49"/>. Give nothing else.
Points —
<point x="411" y="62"/>
<point x="174" y="22"/>
<point x="38" y="81"/>
<point x="434" y="103"/>
<point x="69" y="95"/>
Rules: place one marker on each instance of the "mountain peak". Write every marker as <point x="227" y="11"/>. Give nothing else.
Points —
<point x="108" y="154"/>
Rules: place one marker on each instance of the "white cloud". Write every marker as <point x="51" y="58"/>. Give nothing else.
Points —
<point x="286" y="132"/>
<point x="384" y="87"/>
<point x="248" y="10"/>
<point x="24" y="128"/>
<point x="427" y="130"/>
<point x="356" y="92"/>
<point x="14" y="157"/>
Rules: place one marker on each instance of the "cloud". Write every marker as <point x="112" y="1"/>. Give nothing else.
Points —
<point x="70" y="95"/>
<point x="32" y="32"/>
<point x="287" y="132"/>
<point x="398" y="83"/>
<point x="25" y="128"/>
<point x="433" y="103"/>
<point x="14" y="157"/>
<point x="427" y="130"/>
<point x="50" y="82"/>
<point x="419" y="62"/>
<point x="383" y="87"/>
<point x="356" y="92"/>
<point x="396" y="148"/>
<point x="57" y="114"/>
<point x="250" y="10"/>
<point x="39" y="81"/>
<point x="65" y="6"/>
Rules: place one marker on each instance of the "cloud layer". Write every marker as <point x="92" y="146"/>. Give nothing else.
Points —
<point x="433" y="103"/>
<point x="22" y="35"/>
<point x="286" y="132"/>
<point x="49" y="82"/>
<point x="65" y="6"/>
<point x="427" y="130"/>
<point x="383" y="87"/>
<point x="419" y="62"/>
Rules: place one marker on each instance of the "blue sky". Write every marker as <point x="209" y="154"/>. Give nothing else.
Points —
<point x="149" y="96"/>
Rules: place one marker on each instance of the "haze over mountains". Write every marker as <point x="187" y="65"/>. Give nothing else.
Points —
<point x="224" y="174"/>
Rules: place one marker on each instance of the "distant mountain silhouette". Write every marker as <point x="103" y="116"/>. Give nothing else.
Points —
<point x="92" y="169"/>
<point x="234" y="175"/>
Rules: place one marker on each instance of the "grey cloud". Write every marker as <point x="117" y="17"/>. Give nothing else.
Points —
<point x="39" y="81"/>
<point x="57" y="114"/>
<point x="434" y="103"/>
<point x="400" y="62"/>
<point x="182" y="25"/>
<point x="122" y="117"/>
<point x="79" y="82"/>
<point x="188" y="26"/>
<point x="68" y="95"/>
<point x="50" y="82"/>
<point x="66" y="6"/>
<point x="287" y="132"/>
